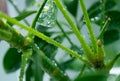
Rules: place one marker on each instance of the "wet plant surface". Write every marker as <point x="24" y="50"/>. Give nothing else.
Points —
<point x="38" y="53"/>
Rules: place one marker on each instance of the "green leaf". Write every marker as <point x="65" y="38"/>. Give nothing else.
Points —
<point x="115" y="19"/>
<point x="24" y="15"/>
<point x="48" y="16"/>
<point x="110" y="4"/>
<point x="72" y="6"/>
<point x="118" y="78"/>
<point x="29" y="72"/>
<point x="111" y="36"/>
<point x="37" y="71"/>
<point x="12" y="60"/>
<point x="30" y="3"/>
<point x="113" y="31"/>
<point x="93" y="77"/>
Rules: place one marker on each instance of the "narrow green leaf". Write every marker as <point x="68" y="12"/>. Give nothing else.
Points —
<point x="93" y="77"/>
<point x="12" y="60"/>
<point x="37" y="71"/>
<point x="30" y="3"/>
<point x="24" y="15"/>
<point x="29" y="72"/>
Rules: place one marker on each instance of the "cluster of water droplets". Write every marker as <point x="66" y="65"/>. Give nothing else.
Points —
<point x="48" y="16"/>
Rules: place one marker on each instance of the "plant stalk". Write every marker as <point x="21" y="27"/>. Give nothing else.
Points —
<point x="44" y="37"/>
<point x="88" y="23"/>
<point x="82" y="41"/>
<point x="104" y="28"/>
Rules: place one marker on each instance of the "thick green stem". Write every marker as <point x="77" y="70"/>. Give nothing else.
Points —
<point x="44" y="37"/>
<point x="88" y="23"/>
<point x="26" y="54"/>
<point x="85" y="46"/>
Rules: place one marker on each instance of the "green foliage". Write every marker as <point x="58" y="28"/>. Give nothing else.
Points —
<point x="46" y="34"/>
<point x="24" y="15"/>
<point x="72" y="6"/>
<point x="12" y="60"/>
<point x="93" y="77"/>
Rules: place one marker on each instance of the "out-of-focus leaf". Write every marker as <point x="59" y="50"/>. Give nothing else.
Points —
<point x="111" y="36"/>
<point x="115" y="19"/>
<point x="33" y="71"/>
<point x="95" y="11"/>
<point x="118" y="78"/>
<point x="72" y="6"/>
<point x="36" y="67"/>
<point x="12" y="60"/>
<point x="48" y="16"/>
<point x="93" y="77"/>
<point x="30" y="3"/>
<point x="24" y="15"/>
<point x="113" y="31"/>
<point x="29" y="72"/>
<point x="109" y="4"/>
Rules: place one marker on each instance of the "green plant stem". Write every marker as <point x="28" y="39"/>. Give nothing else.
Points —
<point x="26" y="54"/>
<point x="103" y="28"/>
<point x="38" y="13"/>
<point x="50" y="66"/>
<point x="103" y="11"/>
<point x="85" y="46"/>
<point x="36" y="18"/>
<point x="44" y="37"/>
<point x="88" y="23"/>
<point x="82" y="70"/>
<point x="18" y="11"/>
<point x="60" y="27"/>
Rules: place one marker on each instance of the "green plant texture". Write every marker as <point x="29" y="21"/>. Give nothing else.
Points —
<point x="50" y="47"/>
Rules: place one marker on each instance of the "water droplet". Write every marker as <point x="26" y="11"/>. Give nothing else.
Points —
<point x="19" y="50"/>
